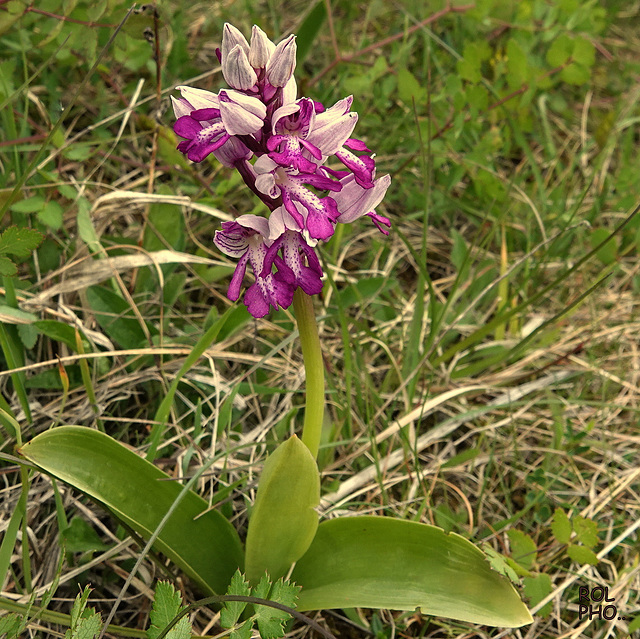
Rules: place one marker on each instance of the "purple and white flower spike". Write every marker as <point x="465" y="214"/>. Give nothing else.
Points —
<point x="281" y="146"/>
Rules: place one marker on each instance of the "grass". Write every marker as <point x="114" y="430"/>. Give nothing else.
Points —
<point x="482" y="362"/>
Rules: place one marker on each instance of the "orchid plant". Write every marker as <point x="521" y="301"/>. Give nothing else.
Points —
<point x="300" y="160"/>
<point x="281" y="146"/>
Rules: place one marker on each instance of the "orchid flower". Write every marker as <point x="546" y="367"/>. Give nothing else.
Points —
<point x="285" y="150"/>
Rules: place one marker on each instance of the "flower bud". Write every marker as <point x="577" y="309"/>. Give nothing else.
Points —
<point x="232" y="37"/>
<point x="241" y="114"/>
<point x="282" y="62"/>
<point x="261" y="48"/>
<point x="237" y="71"/>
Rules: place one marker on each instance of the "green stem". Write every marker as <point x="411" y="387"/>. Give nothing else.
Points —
<point x="314" y="370"/>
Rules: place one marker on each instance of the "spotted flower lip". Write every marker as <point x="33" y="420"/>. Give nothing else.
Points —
<point x="246" y="238"/>
<point x="285" y="150"/>
<point x="299" y="258"/>
<point x="292" y="124"/>
<point x="321" y="212"/>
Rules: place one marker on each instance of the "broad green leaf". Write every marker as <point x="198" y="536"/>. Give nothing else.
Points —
<point x="517" y="64"/>
<point x="309" y="29"/>
<point x="29" y="205"/>
<point x="477" y="97"/>
<point x="575" y="74"/>
<point x="500" y="563"/>
<point x="28" y="335"/>
<point x="560" y="50"/>
<point x="10" y="315"/>
<point x="285" y="593"/>
<point x="167" y="604"/>
<point x="244" y="631"/>
<point x="561" y="526"/>
<point x="115" y="316"/>
<point x="58" y="331"/>
<point x="166" y="228"/>
<point x="469" y="69"/>
<point x="523" y="548"/>
<point x="608" y="253"/>
<point x="198" y="540"/>
<point x="7" y="19"/>
<point x="634" y="625"/>
<point x="469" y="66"/>
<point x="586" y="530"/>
<point x="379" y="562"/>
<point x="11" y="625"/>
<point x="232" y="610"/>
<point x="536" y="589"/>
<point x="19" y="241"/>
<point x="409" y="89"/>
<point x="85" y="623"/>
<point x="271" y="620"/>
<point x="86" y="230"/>
<point x="363" y="290"/>
<point x="80" y="537"/>
<point x="459" y="251"/>
<point x="7" y="267"/>
<point x="283" y="520"/>
<point x="461" y="458"/>
<point x="582" y="555"/>
<point x="584" y="52"/>
<point x="96" y="9"/>
<point x="51" y="215"/>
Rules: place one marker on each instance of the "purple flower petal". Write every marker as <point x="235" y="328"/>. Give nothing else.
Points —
<point x="354" y="201"/>
<point x="290" y="154"/>
<point x="233" y="292"/>
<point x="186" y="127"/>
<point x="256" y="301"/>
<point x="282" y="63"/>
<point x="315" y="179"/>
<point x="205" y="114"/>
<point x="181" y="107"/>
<point x="357" y="145"/>
<point x="381" y="221"/>
<point x="232" y="37"/>
<point x="232" y="151"/>
<point x="241" y="114"/>
<point x="363" y="167"/>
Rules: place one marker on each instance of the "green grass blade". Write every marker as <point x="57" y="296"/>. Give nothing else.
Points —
<point x="309" y="29"/>
<point x="489" y="327"/>
<point x="11" y="533"/>
<point x="12" y="350"/>
<point x="20" y="182"/>
<point x="165" y="407"/>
